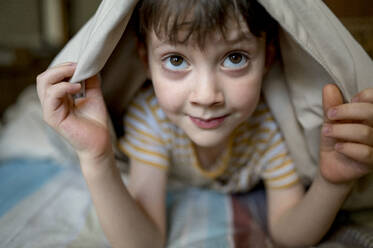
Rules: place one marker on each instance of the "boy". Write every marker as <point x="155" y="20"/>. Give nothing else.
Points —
<point x="206" y="60"/>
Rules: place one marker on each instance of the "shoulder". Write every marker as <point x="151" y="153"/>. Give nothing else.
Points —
<point x="263" y="117"/>
<point x="146" y="103"/>
<point x="262" y="126"/>
<point x="144" y="138"/>
<point x="144" y="96"/>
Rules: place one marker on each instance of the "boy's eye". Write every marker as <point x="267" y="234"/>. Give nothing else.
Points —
<point x="235" y="61"/>
<point x="175" y="62"/>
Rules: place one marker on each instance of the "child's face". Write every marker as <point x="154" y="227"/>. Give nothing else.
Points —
<point x="208" y="92"/>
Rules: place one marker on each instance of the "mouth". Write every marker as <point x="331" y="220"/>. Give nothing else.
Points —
<point x="210" y="123"/>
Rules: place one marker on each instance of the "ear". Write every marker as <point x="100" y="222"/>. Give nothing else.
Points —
<point x="143" y="55"/>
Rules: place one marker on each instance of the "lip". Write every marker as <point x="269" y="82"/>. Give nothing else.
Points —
<point x="208" y="123"/>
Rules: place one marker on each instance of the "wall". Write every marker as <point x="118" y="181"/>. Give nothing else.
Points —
<point x="347" y="8"/>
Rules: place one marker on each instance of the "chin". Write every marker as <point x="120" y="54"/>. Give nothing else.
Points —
<point x="209" y="139"/>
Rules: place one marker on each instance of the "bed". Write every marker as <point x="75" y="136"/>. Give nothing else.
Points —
<point x="46" y="204"/>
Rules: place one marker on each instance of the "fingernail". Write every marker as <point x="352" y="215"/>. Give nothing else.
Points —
<point x="338" y="146"/>
<point x="326" y="129"/>
<point x="332" y="113"/>
<point x="355" y="99"/>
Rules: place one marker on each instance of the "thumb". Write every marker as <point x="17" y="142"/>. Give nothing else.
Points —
<point x="331" y="97"/>
<point x="335" y="167"/>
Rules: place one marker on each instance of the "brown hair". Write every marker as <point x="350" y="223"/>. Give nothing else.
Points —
<point x="199" y="18"/>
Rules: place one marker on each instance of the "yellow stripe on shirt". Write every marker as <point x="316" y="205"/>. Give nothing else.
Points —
<point x="137" y="118"/>
<point x="130" y="155"/>
<point x="156" y="139"/>
<point x="278" y="156"/>
<point x="139" y="149"/>
<point x="274" y="145"/>
<point x="283" y="164"/>
<point x="288" y="185"/>
<point x="281" y="176"/>
<point x="138" y="107"/>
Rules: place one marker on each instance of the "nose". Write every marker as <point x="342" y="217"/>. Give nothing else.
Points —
<point x="206" y="91"/>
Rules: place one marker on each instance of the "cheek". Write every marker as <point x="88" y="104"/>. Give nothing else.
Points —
<point x="170" y="98"/>
<point x="244" y="99"/>
<point x="248" y="96"/>
<point x="170" y="94"/>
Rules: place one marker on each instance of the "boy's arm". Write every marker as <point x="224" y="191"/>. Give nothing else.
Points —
<point x="147" y="185"/>
<point x="301" y="220"/>
<point x="84" y="124"/>
<point x="128" y="221"/>
<point x="346" y="154"/>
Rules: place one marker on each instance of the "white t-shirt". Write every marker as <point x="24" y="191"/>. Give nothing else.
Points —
<point x="256" y="150"/>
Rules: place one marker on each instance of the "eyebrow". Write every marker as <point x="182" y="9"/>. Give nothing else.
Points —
<point x="238" y="37"/>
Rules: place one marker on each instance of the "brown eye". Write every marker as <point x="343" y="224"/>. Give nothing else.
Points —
<point x="176" y="60"/>
<point x="235" y="58"/>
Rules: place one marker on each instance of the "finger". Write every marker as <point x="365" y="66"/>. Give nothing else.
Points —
<point x="56" y="94"/>
<point x="364" y="96"/>
<point x="53" y="75"/>
<point x="331" y="97"/>
<point x="360" y="111"/>
<point x="357" y="133"/>
<point x="358" y="152"/>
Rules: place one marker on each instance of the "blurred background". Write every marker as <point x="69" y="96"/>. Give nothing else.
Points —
<point x="33" y="31"/>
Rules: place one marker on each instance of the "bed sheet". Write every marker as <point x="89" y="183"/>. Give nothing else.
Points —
<point x="43" y="204"/>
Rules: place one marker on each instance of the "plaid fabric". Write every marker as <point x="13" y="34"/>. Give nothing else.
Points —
<point x="45" y="205"/>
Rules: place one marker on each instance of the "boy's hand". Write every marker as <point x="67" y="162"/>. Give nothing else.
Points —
<point x="346" y="149"/>
<point x="83" y="122"/>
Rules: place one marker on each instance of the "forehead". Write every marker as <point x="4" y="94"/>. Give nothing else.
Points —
<point x="236" y="32"/>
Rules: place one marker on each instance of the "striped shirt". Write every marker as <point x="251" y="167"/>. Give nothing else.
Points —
<point x="256" y="149"/>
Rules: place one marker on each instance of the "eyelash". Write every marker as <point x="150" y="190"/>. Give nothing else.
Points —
<point x="167" y="63"/>
<point x="243" y="55"/>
